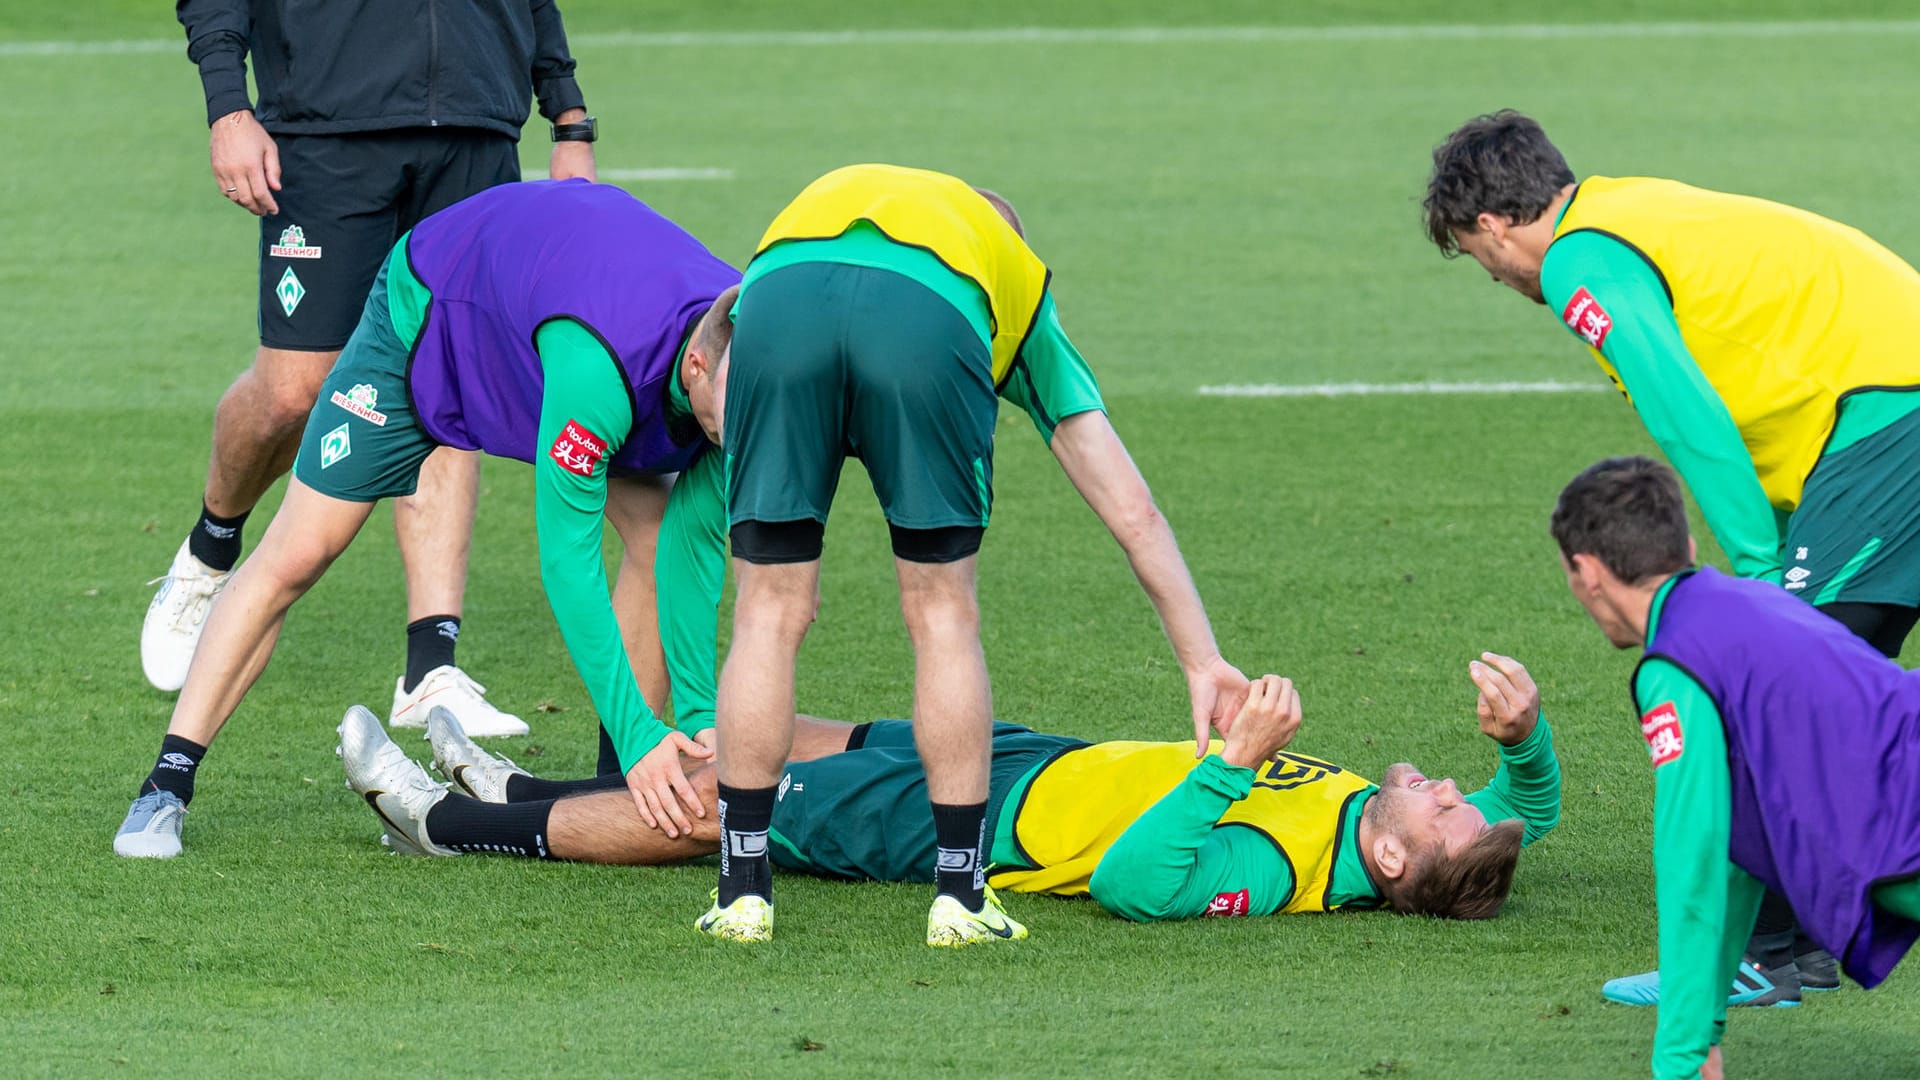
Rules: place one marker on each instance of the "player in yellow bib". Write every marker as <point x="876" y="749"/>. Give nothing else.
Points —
<point x="1250" y="829"/>
<point x="883" y="316"/>
<point x="1773" y="355"/>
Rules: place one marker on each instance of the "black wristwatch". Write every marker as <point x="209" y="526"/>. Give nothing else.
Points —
<point x="584" y="131"/>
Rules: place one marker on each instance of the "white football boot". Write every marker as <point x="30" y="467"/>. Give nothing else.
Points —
<point x="152" y="827"/>
<point x="449" y="688"/>
<point x="461" y="760"/>
<point x="394" y="785"/>
<point x="176" y="617"/>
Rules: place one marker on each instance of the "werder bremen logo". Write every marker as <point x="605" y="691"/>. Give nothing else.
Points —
<point x="289" y="291"/>
<point x="334" y="446"/>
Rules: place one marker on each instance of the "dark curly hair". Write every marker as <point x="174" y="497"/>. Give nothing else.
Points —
<point x="1500" y="163"/>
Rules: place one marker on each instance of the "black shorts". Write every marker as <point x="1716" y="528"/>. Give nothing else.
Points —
<point x="344" y="200"/>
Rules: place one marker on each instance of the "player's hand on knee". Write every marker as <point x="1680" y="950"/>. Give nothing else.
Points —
<point x="1266" y="722"/>
<point x="246" y="162"/>
<point x="1509" y="704"/>
<point x="1715" y="1068"/>
<point x="660" y="788"/>
<point x="1217" y="690"/>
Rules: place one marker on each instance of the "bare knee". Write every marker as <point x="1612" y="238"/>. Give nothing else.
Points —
<point x="776" y="601"/>
<point x="938" y="599"/>
<point x="283" y="385"/>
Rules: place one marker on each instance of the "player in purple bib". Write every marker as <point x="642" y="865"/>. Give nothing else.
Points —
<point x="561" y="323"/>
<point x="1783" y="746"/>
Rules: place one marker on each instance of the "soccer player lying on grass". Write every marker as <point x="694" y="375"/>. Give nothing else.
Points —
<point x="561" y="323"/>
<point x="1250" y="829"/>
<point x="1783" y="754"/>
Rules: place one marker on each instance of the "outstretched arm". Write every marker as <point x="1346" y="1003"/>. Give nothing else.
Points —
<point x="1527" y="785"/>
<point x="1051" y="381"/>
<point x="1174" y="862"/>
<point x="1098" y="465"/>
<point x="690" y="570"/>
<point x="1705" y="902"/>
<point x="584" y="417"/>
<point x="1629" y="322"/>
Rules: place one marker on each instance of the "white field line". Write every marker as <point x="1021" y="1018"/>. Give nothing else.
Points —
<point x="1357" y="389"/>
<point x="1141" y="35"/>
<point x="665" y="173"/>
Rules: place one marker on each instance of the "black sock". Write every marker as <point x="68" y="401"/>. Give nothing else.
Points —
<point x="174" y="769"/>
<point x="430" y="643"/>
<point x="472" y="826"/>
<point x="609" y="757"/>
<point x="523" y="788"/>
<point x="745" y="816"/>
<point x="960" y="832"/>
<point x="1772" y="941"/>
<point x="216" y="540"/>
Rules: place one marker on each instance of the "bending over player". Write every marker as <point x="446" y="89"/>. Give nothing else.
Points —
<point x="1149" y="832"/>
<point x="560" y="323"/>
<point x="1782" y="751"/>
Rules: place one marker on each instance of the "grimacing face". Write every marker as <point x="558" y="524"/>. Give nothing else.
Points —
<point x="1424" y="812"/>
<point x="1503" y="262"/>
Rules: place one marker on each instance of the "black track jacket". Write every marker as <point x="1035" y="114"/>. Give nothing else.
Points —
<point x="328" y="67"/>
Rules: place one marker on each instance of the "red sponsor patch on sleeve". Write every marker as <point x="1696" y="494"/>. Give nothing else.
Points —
<point x="1585" y="317"/>
<point x="578" y="450"/>
<point x="1661" y="728"/>
<point x="1229" y="905"/>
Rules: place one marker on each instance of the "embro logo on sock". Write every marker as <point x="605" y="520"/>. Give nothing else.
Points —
<point x="174" y="759"/>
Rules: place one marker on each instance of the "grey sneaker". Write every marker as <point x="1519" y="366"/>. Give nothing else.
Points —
<point x="152" y="827"/>
<point x="461" y="760"/>
<point x="398" y="789"/>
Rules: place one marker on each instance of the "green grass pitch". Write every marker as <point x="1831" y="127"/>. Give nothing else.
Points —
<point x="1216" y="212"/>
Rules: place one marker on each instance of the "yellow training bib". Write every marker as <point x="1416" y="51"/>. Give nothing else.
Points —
<point x="940" y="214"/>
<point x="1081" y="803"/>
<point x="1785" y="311"/>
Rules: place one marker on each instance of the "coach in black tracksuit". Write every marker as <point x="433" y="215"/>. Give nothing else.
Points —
<point x="372" y="114"/>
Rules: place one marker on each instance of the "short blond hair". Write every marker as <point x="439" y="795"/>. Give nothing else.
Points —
<point x="1006" y="209"/>
<point x="1470" y="884"/>
<point x="715" y="331"/>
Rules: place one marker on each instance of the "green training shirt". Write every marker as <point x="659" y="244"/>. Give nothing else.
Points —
<point x="1173" y="861"/>
<point x="1682" y="411"/>
<point x="583" y="383"/>
<point x="1707" y="905"/>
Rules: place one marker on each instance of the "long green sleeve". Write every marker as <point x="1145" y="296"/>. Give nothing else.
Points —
<point x="1526" y="786"/>
<point x="1680" y="408"/>
<point x="1692" y="875"/>
<point x="689" y="571"/>
<point x="585" y="402"/>
<point x="1174" y="863"/>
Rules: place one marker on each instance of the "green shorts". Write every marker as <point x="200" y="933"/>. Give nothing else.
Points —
<point x="1855" y="537"/>
<point x="831" y="361"/>
<point x="864" y="813"/>
<point x="363" y="442"/>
